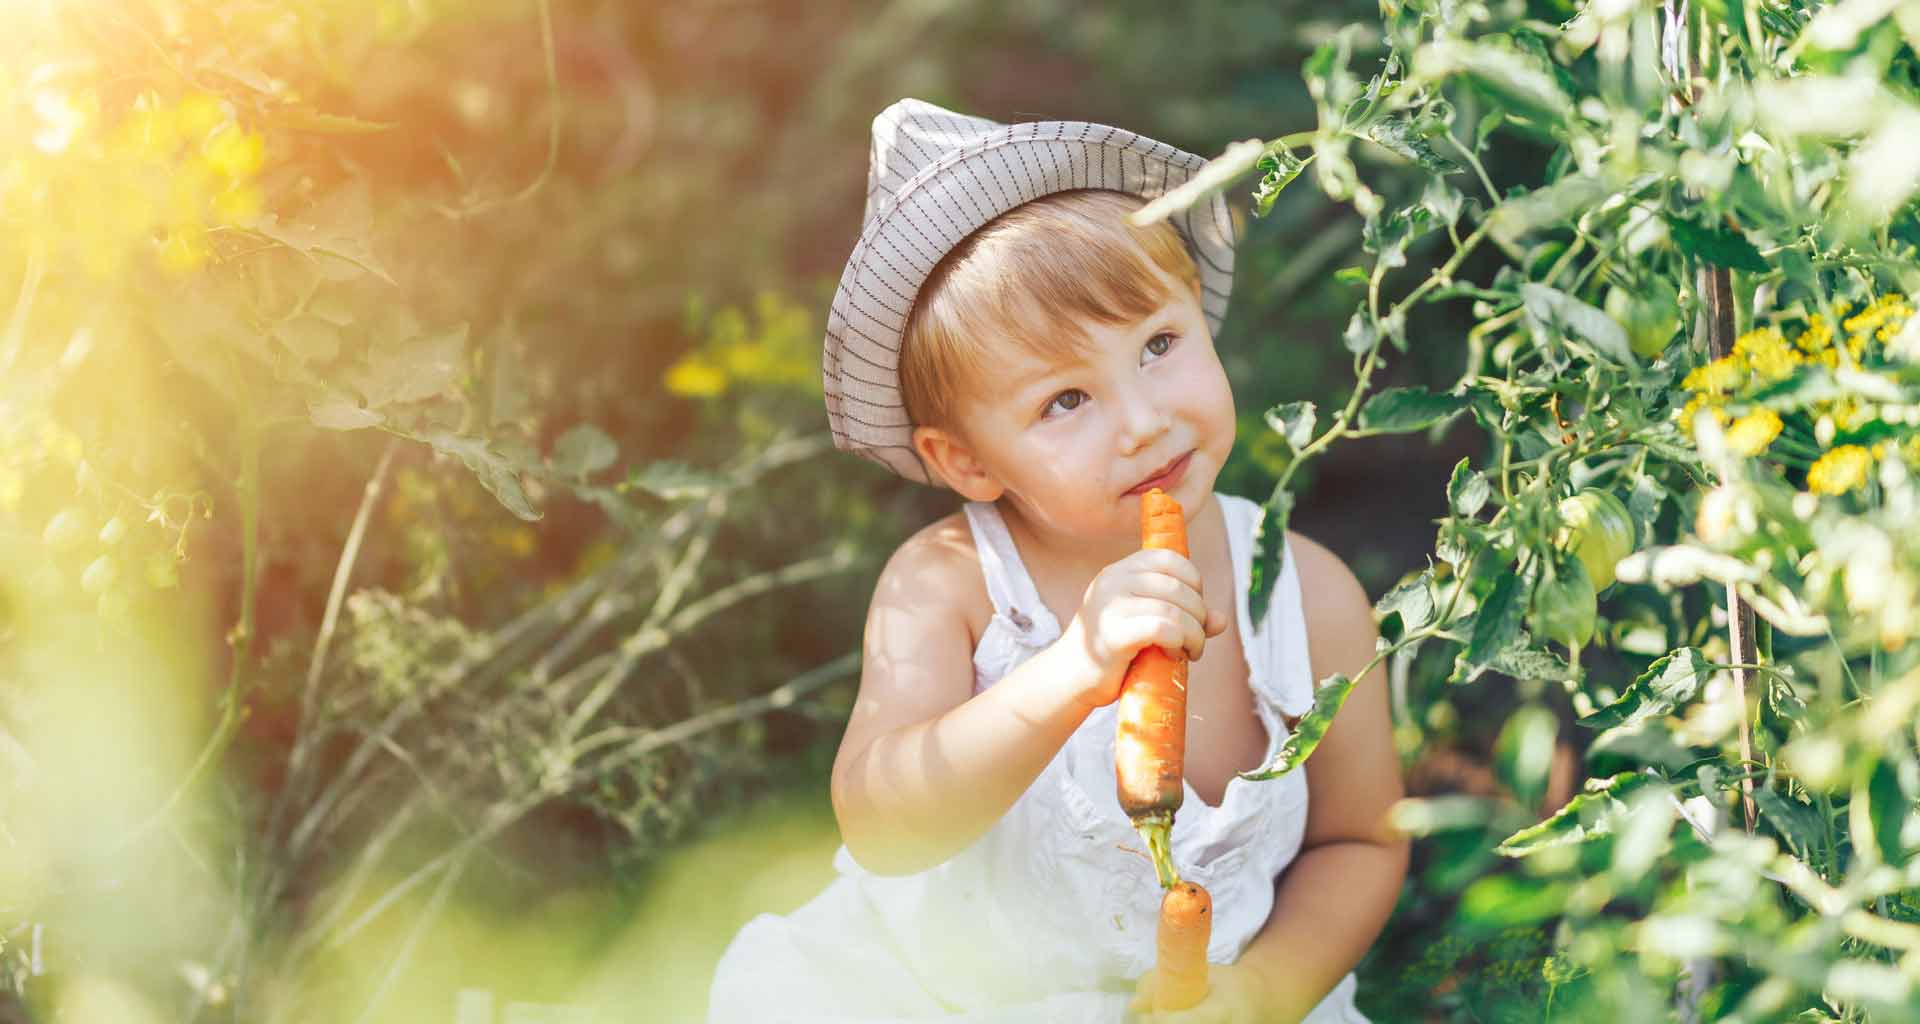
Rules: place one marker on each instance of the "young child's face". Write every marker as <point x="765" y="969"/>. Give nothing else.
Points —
<point x="1070" y="440"/>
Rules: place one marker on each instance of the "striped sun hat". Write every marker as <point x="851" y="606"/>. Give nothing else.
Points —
<point x="933" y="178"/>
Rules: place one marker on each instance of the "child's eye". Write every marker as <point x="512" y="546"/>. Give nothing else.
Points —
<point x="1058" y="397"/>
<point x="1164" y="340"/>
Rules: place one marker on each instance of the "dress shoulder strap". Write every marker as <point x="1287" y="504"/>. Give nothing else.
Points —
<point x="1008" y="584"/>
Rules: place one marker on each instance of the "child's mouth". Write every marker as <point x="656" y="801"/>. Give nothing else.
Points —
<point x="1170" y="478"/>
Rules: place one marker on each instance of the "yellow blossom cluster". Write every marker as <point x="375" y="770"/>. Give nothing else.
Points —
<point x="781" y="351"/>
<point x="1766" y="354"/>
<point x="110" y="185"/>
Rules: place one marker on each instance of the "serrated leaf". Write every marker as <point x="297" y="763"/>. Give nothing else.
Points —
<point x="1413" y="599"/>
<point x="1548" y="206"/>
<point x="1407" y="137"/>
<point x="671" y="481"/>
<point x="1328" y="699"/>
<point x="1403" y="409"/>
<point x="1279" y="166"/>
<point x="1586" y="816"/>
<point x="1467" y="490"/>
<point x="1551" y="306"/>
<point x="583" y="451"/>
<point x="321" y="246"/>
<point x="337" y="412"/>
<point x="1497" y="621"/>
<point x="495" y="471"/>
<point x="1294" y="421"/>
<point x="1672" y="681"/>
<point x="417" y="368"/>
<point x="312" y="339"/>
<point x="1716" y="245"/>
<point x="1800" y="825"/>
<point x="1518" y="81"/>
<point x="1269" y="553"/>
<point x="1525" y="662"/>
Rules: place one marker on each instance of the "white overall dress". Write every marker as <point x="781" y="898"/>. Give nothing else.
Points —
<point x="1049" y="916"/>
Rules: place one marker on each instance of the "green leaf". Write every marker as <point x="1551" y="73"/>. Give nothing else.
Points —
<point x="1511" y="901"/>
<point x="1716" y="245"/>
<point x="496" y="472"/>
<point x="1400" y="410"/>
<point x="583" y="451"/>
<point x="1361" y="334"/>
<point x="338" y="412"/>
<point x="1269" y="553"/>
<point x="1294" y="421"/>
<point x="323" y="246"/>
<point x="1413" y="599"/>
<point x="1672" y="681"/>
<point x="1296" y="748"/>
<point x="1467" y="490"/>
<point x="420" y="367"/>
<point x="1526" y="662"/>
<point x="1586" y="816"/>
<point x="312" y="339"/>
<point x="1497" y="621"/>
<point x="1280" y="167"/>
<point x="1550" y="206"/>
<point x="1547" y="307"/>
<point x="1877" y="812"/>
<point x="670" y="481"/>
<point x="1800" y="825"/>
<point x="1407" y="137"/>
<point x="1517" y="81"/>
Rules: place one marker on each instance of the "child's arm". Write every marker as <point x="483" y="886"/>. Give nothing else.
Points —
<point x="1336" y="895"/>
<point x="926" y="766"/>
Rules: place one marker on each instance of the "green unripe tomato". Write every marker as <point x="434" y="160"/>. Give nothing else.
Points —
<point x="1650" y="318"/>
<point x="1598" y="530"/>
<point x="113" y="532"/>
<point x="66" y="531"/>
<point x="99" y="575"/>
<point x="1565" y="605"/>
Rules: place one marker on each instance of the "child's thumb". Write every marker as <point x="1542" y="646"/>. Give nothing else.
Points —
<point x="1216" y="622"/>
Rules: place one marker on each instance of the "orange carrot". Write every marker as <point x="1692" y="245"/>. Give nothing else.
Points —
<point x="1151" y="744"/>
<point x="1186" y="924"/>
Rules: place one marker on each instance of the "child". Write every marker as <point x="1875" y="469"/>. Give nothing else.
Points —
<point x="1001" y="330"/>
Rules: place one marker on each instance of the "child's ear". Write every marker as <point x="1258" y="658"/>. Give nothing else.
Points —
<point x="949" y="457"/>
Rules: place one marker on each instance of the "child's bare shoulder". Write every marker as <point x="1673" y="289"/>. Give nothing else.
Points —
<point x="940" y="559"/>
<point x="1339" y="614"/>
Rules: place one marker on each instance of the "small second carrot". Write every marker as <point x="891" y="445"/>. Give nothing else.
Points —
<point x="1150" y="747"/>
<point x="1186" y="926"/>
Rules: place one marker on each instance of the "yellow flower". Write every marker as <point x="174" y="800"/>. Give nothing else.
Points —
<point x="1850" y="413"/>
<point x="1718" y="377"/>
<point x="1840" y="470"/>
<point x="695" y="377"/>
<point x="1817" y="338"/>
<point x="1752" y="433"/>
<point x="1883" y="309"/>
<point x="235" y="152"/>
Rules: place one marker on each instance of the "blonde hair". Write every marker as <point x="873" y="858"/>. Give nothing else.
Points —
<point x="1031" y="276"/>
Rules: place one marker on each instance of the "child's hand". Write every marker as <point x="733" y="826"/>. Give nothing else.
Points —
<point x="1149" y="598"/>
<point x="1235" y="995"/>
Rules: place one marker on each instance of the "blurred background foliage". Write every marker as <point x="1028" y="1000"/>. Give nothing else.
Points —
<point x="417" y="349"/>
